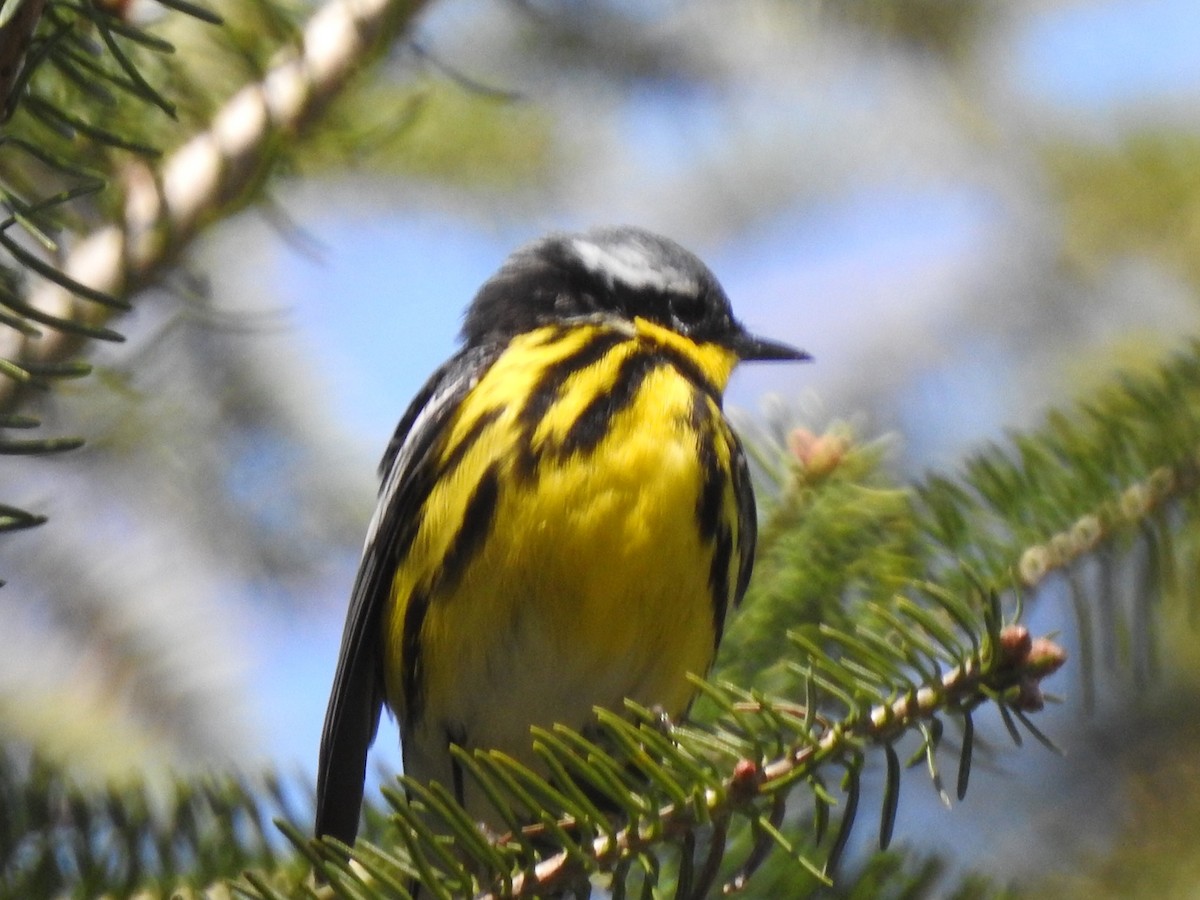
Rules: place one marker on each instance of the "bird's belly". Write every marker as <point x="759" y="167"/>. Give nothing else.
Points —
<point x="593" y="586"/>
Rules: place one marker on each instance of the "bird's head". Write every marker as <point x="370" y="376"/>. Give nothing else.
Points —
<point x="622" y="272"/>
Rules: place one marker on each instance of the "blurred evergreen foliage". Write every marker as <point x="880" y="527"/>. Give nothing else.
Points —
<point x="1141" y="196"/>
<point x="884" y="613"/>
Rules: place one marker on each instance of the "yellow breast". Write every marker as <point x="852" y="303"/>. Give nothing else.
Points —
<point x="569" y="553"/>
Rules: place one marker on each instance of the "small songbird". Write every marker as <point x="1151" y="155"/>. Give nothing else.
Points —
<point x="565" y="517"/>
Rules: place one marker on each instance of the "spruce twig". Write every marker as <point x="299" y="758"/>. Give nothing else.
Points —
<point x="165" y="207"/>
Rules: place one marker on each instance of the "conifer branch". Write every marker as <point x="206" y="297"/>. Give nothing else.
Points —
<point x="1054" y="495"/>
<point x="679" y="787"/>
<point x="164" y="207"/>
<point x="1014" y="669"/>
<point x="1132" y="507"/>
<point x="61" y="838"/>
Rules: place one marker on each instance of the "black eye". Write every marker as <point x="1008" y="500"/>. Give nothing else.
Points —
<point x="688" y="309"/>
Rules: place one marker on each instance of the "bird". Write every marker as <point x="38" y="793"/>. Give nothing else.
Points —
<point x="565" y="516"/>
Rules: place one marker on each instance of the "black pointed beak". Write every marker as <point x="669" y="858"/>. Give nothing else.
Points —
<point x="750" y="349"/>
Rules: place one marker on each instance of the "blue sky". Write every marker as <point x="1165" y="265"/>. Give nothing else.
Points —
<point x="1089" y="62"/>
<point x="1105" y="56"/>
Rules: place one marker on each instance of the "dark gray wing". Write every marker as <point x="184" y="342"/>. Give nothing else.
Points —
<point x="357" y="697"/>
<point x="743" y="490"/>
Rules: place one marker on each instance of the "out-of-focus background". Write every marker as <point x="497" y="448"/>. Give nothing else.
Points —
<point x="966" y="211"/>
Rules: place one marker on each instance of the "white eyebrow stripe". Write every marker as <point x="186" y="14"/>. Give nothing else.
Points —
<point x="634" y="266"/>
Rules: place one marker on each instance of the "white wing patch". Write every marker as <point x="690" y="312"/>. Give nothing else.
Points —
<point x="634" y="265"/>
